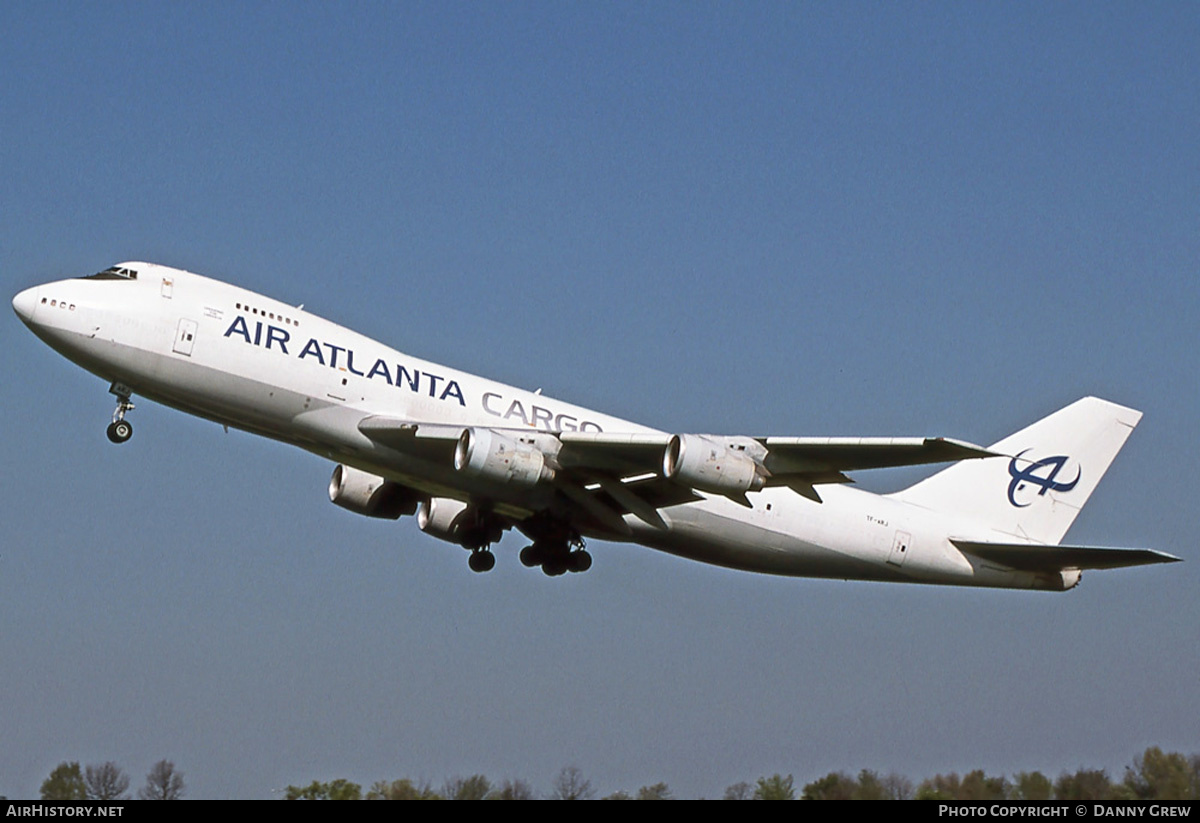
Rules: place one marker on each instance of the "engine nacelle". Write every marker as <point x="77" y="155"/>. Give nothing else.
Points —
<point x="369" y="494"/>
<point x="492" y="456"/>
<point x="709" y="465"/>
<point x="443" y="517"/>
<point x="457" y="522"/>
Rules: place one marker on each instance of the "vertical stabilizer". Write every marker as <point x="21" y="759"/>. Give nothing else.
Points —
<point x="1046" y="473"/>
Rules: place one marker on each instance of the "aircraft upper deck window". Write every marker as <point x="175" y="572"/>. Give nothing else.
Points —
<point x="113" y="273"/>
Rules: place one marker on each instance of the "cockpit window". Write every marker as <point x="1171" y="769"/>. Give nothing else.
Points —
<point x="113" y="273"/>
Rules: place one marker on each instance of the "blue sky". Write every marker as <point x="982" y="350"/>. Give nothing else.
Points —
<point x="748" y="218"/>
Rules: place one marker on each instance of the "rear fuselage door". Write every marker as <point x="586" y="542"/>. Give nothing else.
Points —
<point x="900" y="548"/>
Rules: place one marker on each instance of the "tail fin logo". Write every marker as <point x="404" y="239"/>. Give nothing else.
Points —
<point x="1022" y="478"/>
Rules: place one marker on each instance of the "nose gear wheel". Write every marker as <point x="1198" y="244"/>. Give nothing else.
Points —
<point x="120" y="429"/>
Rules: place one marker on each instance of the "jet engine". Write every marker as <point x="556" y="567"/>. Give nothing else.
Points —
<point x="458" y="522"/>
<point x="710" y="465"/>
<point x="492" y="456"/>
<point x="365" y="493"/>
<point x="441" y="517"/>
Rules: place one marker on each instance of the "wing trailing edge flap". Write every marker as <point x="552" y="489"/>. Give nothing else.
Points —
<point x="609" y="499"/>
<point x="834" y="455"/>
<point x="1047" y="558"/>
<point x="803" y="463"/>
<point x="613" y="453"/>
<point x="429" y="440"/>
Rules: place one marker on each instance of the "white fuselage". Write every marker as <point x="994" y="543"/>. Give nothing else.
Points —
<point x="254" y="363"/>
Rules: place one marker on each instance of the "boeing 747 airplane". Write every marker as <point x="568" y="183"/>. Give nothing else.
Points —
<point x="472" y="458"/>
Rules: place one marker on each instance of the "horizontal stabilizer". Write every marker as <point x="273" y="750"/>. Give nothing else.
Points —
<point x="1033" y="558"/>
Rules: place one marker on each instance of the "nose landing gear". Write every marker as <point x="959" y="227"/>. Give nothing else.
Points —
<point x="120" y="429"/>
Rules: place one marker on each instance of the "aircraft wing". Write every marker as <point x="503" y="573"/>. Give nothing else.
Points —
<point x="604" y="457"/>
<point x="1044" y="558"/>
<point x="640" y="453"/>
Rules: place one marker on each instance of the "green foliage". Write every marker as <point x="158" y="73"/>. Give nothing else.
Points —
<point x="401" y="790"/>
<point x="475" y="787"/>
<point x="974" y="786"/>
<point x="775" y="787"/>
<point x="64" y="783"/>
<point x="927" y="791"/>
<point x="978" y="786"/>
<point x="1084" y="784"/>
<point x="940" y="787"/>
<point x="870" y="787"/>
<point x="1031" y="786"/>
<point x="867" y="786"/>
<point x="658" y="791"/>
<point x="739" y="791"/>
<point x="1158" y="776"/>
<point x="833" y="786"/>
<point x="339" y="789"/>
<point x="512" y="790"/>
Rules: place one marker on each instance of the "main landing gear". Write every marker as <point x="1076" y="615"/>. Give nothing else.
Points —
<point x="120" y="429"/>
<point x="481" y="560"/>
<point x="557" y="547"/>
<point x="556" y="558"/>
<point x="557" y="551"/>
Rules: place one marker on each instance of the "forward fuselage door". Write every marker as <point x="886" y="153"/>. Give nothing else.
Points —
<point x="185" y="336"/>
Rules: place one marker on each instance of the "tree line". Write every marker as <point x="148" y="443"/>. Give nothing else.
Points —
<point x="108" y="781"/>
<point x="1153" y="775"/>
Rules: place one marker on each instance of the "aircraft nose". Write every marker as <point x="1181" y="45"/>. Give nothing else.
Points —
<point x="25" y="302"/>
